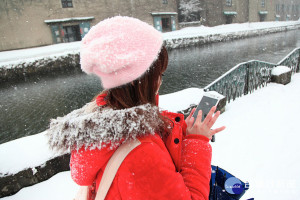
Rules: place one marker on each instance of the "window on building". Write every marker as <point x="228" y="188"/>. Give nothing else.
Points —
<point x="282" y="8"/>
<point x="165" y="1"/>
<point x="71" y="33"/>
<point x="228" y="2"/>
<point x="263" y="3"/>
<point x="277" y="8"/>
<point x="67" y="3"/>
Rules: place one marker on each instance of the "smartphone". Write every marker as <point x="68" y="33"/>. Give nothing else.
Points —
<point x="206" y="103"/>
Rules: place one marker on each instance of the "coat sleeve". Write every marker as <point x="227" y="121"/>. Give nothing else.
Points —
<point x="196" y="165"/>
<point x="151" y="174"/>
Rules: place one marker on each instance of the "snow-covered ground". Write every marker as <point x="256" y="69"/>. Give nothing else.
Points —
<point x="10" y="59"/>
<point x="259" y="145"/>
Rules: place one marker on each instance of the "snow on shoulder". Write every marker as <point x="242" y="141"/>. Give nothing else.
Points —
<point x="102" y="127"/>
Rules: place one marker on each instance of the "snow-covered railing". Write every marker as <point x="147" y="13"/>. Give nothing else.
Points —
<point x="292" y="60"/>
<point x="246" y="77"/>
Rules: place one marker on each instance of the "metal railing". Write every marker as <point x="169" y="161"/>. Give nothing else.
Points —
<point x="246" y="77"/>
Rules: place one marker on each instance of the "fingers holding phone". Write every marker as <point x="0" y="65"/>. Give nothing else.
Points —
<point x="202" y="118"/>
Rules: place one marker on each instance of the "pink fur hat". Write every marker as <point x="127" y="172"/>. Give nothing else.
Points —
<point x="119" y="50"/>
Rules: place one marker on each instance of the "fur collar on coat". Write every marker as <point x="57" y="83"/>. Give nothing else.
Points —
<point x="96" y="127"/>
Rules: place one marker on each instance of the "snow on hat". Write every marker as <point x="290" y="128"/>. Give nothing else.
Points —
<point x="119" y="50"/>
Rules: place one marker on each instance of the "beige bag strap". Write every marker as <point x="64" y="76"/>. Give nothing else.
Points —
<point x="112" y="167"/>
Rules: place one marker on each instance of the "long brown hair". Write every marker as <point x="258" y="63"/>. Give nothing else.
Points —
<point x="142" y="90"/>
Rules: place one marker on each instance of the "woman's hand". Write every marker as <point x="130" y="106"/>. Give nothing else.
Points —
<point x="203" y="128"/>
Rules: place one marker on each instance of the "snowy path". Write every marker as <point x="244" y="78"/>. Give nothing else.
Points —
<point x="260" y="145"/>
<point x="261" y="142"/>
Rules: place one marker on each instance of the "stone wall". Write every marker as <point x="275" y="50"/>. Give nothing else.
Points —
<point x="45" y="66"/>
<point x="12" y="183"/>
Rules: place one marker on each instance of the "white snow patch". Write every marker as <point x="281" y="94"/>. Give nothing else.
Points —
<point x="23" y="153"/>
<point x="34" y="170"/>
<point x="261" y="141"/>
<point x="215" y="95"/>
<point x="69" y="19"/>
<point x="276" y="71"/>
<point x="164" y="13"/>
<point x="59" y="187"/>
<point x="180" y="100"/>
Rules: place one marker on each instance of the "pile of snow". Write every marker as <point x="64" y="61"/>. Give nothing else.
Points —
<point x="259" y="145"/>
<point x="276" y="71"/>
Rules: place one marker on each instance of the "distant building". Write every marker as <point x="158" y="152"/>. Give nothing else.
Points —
<point x="36" y="23"/>
<point x="216" y="12"/>
<point x="286" y="10"/>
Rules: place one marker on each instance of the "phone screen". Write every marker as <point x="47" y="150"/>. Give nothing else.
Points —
<point x="205" y="105"/>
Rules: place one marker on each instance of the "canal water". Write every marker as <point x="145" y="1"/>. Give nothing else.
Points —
<point x="26" y="108"/>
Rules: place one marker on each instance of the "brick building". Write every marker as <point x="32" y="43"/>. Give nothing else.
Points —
<point x="216" y="12"/>
<point x="34" y="23"/>
<point x="287" y="10"/>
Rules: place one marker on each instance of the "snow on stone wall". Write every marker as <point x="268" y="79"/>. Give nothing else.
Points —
<point x="198" y="39"/>
<point x="20" y="71"/>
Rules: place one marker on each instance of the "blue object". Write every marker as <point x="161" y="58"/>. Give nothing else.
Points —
<point x="225" y="186"/>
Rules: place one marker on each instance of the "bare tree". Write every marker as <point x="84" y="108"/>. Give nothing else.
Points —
<point x="190" y="10"/>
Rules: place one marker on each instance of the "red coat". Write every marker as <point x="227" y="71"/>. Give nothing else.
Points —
<point x="178" y="168"/>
